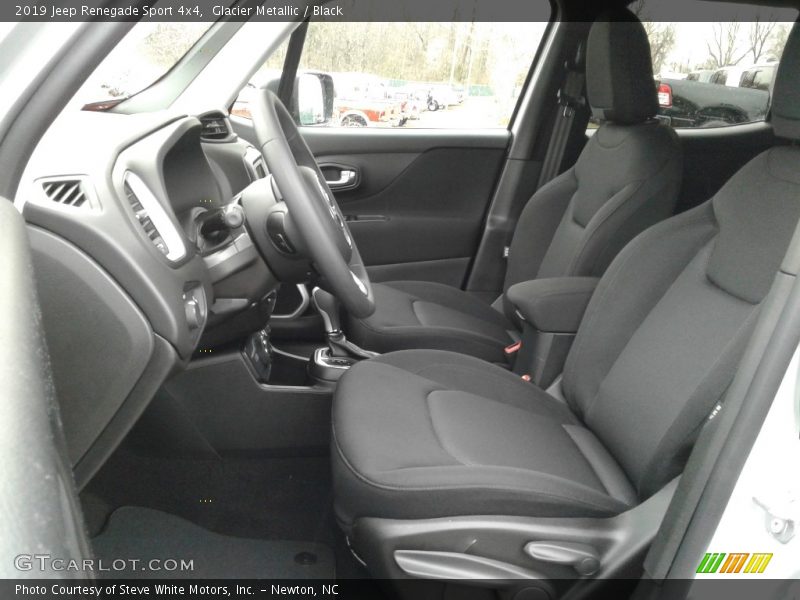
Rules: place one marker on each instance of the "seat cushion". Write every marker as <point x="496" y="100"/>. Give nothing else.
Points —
<point x="427" y="433"/>
<point x="419" y="314"/>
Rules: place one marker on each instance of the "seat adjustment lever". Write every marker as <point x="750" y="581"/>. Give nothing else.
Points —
<point x="581" y="557"/>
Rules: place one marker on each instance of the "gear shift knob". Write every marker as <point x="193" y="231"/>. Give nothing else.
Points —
<point x="328" y="307"/>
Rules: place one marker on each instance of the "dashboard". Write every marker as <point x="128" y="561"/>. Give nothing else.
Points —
<point x="142" y="258"/>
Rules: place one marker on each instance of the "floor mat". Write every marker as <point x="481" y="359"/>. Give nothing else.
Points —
<point x="271" y="498"/>
<point x="266" y="498"/>
<point x="146" y="534"/>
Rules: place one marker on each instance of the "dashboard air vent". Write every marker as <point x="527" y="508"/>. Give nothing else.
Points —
<point x="215" y="127"/>
<point x="152" y="218"/>
<point x="69" y="192"/>
<point x="254" y="163"/>
<point x="144" y="220"/>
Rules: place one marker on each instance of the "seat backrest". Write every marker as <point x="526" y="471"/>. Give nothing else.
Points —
<point x="41" y="513"/>
<point x="626" y="179"/>
<point x="662" y="337"/>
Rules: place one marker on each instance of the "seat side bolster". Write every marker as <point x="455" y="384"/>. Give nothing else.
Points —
<point x="605" y="467"/>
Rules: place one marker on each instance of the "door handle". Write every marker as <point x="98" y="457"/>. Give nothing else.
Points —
<point x="340" y="177"/>
<point x="346" y="177"/>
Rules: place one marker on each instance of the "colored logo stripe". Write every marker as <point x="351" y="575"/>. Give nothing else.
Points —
<point x="711" y="562"/>
<point x="734" y="563"/>
<point x="714" y="562"/>
<point x="758" y="563"/>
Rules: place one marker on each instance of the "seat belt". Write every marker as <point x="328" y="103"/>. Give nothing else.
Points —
<point x="571" y="98"/>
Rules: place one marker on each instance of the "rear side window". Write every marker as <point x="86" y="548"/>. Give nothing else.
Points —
<point x="715" y="73"/>
<point x="719" y="78"/>
<point x="759" y="78"/>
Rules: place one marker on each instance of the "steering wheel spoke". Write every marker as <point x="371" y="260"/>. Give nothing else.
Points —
<point x="311" y="205"/>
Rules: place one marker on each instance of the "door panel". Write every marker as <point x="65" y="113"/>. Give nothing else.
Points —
<point x="417" y="208"/>
<point x="428" y="211"/>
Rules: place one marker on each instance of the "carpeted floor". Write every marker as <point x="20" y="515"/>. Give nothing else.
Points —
<point x="145" y="535"/>
<point x="277" y="499"/>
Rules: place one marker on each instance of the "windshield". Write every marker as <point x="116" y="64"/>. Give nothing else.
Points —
<point x="144" y="55"/>
<point x="5" y="28"/>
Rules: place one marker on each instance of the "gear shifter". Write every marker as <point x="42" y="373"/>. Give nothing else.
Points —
<point x="328" y="307"/>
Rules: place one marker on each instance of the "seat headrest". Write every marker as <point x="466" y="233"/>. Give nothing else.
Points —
<point x="619" y="72"/>
<point x="786" y="92"/>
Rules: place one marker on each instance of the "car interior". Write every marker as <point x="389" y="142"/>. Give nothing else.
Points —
<point x="420" y="356"/>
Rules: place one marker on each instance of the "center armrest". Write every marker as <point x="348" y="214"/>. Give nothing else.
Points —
<point x="554" y="305"/>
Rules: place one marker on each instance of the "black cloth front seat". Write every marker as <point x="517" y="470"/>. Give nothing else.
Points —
<point x="626" y="179"/>
<point x="429" y="433"/>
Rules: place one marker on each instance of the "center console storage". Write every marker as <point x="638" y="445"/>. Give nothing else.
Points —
<point x="551" y="310"/>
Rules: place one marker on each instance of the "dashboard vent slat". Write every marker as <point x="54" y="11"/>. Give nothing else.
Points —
<point x="144" y="220"/>
<point x="215" y="127"/>
<point x="69" y="192"/>
<point x="152" y="218"/>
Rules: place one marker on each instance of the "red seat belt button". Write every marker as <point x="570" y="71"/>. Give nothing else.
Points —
<point x="513" y="348"/>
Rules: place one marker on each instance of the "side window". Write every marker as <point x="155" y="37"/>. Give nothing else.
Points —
<point x="720" y="77"/>
<point x="748" y="78"/>
<point x="417" y="74"/>
<point x="715" y="74"/>
<point x="429" y="75"/>
<point x="762" y="80"/>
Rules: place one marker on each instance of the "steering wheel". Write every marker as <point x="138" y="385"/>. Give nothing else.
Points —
<point x="312" y="208"/>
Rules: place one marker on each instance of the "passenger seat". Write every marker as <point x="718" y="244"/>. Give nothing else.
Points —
<point x="626" y="179"/>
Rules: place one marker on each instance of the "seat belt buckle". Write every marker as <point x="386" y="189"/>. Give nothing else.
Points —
<point x="513" y="348"/>
<point x="526" y="377"/>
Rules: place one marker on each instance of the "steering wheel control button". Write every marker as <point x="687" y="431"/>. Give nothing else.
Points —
<point x="276" y="231"/>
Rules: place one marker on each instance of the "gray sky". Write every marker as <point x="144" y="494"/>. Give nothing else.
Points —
<point x="691" y="37"/>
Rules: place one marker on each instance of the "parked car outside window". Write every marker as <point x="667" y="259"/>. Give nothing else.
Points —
<point x="759" y="77"/>
<point x="715" y="73"/>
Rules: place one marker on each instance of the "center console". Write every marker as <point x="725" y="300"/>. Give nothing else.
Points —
<point x="327" y="363"/>
<point x="550" y="310"/>
<point x="256" y="397"/>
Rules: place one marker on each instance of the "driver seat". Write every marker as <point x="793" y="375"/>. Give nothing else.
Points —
<point x="626" y="179"/>
<point x="421" y="434"/>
